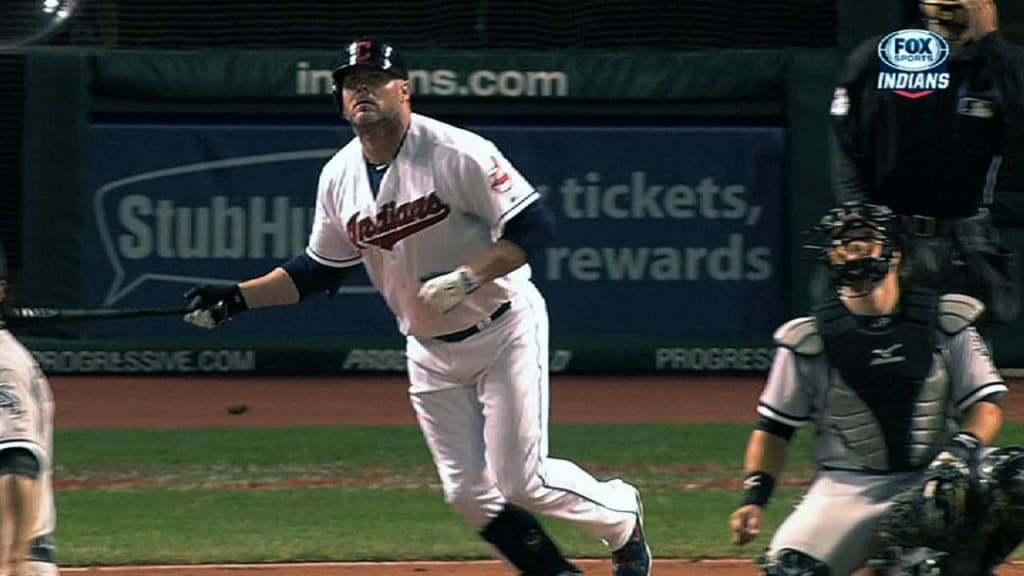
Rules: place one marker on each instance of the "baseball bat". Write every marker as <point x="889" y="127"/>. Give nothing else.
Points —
<point x="38" y="316"/>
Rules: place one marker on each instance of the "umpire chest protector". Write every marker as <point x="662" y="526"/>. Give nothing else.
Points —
<point x="889" y="394"/>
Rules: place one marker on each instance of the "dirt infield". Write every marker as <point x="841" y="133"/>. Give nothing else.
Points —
<point x="109" y="402"/>
<point x="89" y="402"/>
<point x="662" y="567"/>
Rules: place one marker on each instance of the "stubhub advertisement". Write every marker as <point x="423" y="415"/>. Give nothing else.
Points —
<point x="661" y="231"/>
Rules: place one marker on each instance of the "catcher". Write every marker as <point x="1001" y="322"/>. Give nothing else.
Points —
<point x="904" y="396"/>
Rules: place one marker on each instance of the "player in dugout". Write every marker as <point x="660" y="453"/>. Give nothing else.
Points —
<point x="27" y="512"/>
<point x="905" y="401"/>
<point x="933" y="156"/>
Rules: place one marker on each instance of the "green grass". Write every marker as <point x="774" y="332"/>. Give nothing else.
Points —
<point x="174" y="498"/>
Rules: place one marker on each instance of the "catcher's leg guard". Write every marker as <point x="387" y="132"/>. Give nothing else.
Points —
<point x="1000" y="546"/>
<point x="790" y="562"/>
<point x="1002" y="475"/>
<point x="922" y="562"/>
<point x="521" y="539"/>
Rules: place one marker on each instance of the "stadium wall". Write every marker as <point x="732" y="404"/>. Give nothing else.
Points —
<point x="133" y="156"/>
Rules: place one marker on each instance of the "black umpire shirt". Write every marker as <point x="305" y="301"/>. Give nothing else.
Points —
<point x="935" y="155"/>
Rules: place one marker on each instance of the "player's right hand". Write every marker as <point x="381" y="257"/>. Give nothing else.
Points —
<point x="745" y="523"/>
<point x="212" y="304"/>
<point x="446" y="291"/>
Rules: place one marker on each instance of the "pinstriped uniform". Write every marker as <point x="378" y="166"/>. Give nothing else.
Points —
<point x="26" y="421"/>
<point x="481" y="400"/>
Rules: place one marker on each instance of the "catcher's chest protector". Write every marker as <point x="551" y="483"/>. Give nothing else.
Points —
<point x="889" y="394"/>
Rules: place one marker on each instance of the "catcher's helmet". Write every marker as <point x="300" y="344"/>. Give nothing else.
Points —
<point x="951" y="15"/>
<point x="370" y="53"/>
<point x="857" y="240"/>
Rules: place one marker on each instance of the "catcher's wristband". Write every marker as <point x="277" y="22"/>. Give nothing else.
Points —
<point x="965" y="442"/>
<point x="758" y="487"/>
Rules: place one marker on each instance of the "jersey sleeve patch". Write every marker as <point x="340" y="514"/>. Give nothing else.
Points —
<point x="840" y="102"/>
<point x="958" y="311"/>
<point x="801" y="336"/>
<point x="499" y="176"/>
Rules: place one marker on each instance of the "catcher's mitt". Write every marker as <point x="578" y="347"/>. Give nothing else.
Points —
<point x="942" y="510"/>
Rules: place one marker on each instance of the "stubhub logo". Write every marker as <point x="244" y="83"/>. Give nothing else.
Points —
<point x="913" y="63"/>
<point x="189" y="223"/>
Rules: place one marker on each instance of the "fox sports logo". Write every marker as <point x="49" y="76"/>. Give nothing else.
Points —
<point x="913" y="50"/>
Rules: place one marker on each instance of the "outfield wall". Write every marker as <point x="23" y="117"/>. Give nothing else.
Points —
<point x="680" y="182"/>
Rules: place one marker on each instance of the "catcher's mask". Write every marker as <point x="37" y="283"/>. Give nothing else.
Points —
<point x="950" y="15"/>
<point x="857" y="241"/>
<point x="367" y="53"/>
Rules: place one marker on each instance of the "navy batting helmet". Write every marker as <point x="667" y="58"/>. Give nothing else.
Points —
<point x="370" y="53"/>
<point x="857" y="240"/>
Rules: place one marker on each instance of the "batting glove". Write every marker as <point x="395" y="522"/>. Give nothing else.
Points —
<point x="447" y="291"/>
<point x="213" y="304"/>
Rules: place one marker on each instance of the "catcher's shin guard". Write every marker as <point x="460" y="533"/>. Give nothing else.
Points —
<point x="1002" y="477"/>
<point x="790" y="562"/>
<point x="522" y="540"/>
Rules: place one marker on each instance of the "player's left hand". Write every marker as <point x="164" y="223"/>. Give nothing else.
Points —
<point x="447" y="291"/>
<point x="213" y="304"/>
<point x="950" y="483"/>
<point x="745" y="523"/>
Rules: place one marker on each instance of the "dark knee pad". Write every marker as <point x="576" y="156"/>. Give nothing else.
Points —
<point x="43" y="549"/>
<point x="790" y="562"/>
<point x="19" y="461"/>
<point x="521" y="539"/>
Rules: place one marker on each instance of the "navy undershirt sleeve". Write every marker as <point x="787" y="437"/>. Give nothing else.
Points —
<point x="311" y="277"/>
<point x="531" y="229"/>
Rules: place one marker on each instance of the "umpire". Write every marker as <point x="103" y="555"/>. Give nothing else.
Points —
<point x="933" y="157"/>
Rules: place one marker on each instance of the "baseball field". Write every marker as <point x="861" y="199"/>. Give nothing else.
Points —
<point x="329" y="476"/>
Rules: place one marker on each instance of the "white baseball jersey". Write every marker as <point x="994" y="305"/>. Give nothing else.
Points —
<point x="428" y="218"/>
<point x="26" y="419"/>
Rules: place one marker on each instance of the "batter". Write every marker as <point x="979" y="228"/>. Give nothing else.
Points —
<point x="445" y="227"/>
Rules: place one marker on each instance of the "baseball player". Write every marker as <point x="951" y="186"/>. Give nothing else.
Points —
<point x="900" y="389"/>
<point x="445" y="227"/>
<point x="27" y="513"/>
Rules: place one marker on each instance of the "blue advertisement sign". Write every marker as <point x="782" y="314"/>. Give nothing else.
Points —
<point x="661" y="231"/>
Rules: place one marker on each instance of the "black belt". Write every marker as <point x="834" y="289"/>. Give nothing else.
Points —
<point x="463" y="334"/>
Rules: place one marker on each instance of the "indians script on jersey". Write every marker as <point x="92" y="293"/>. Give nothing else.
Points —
<point x="393" y="223"/>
